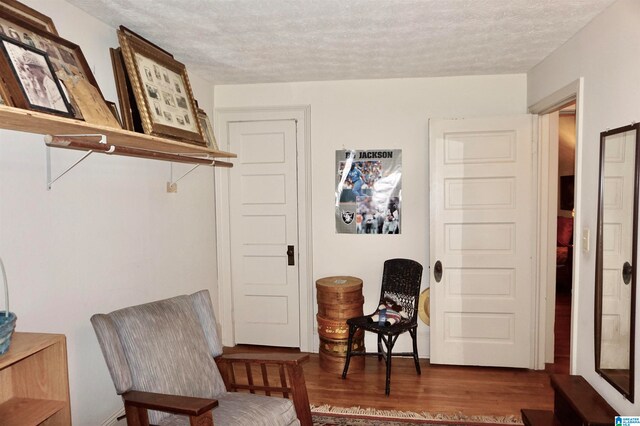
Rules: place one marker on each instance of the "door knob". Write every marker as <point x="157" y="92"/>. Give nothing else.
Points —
<point x="437" y="271"/>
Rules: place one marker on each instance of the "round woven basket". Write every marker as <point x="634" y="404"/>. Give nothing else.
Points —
<point x="7" y="319"/>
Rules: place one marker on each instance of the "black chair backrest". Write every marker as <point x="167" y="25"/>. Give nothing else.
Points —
<point x="401" y="281"/>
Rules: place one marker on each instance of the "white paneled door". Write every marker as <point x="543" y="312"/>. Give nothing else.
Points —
<point x="264" y="232"/>
<point x="482" y="233"/>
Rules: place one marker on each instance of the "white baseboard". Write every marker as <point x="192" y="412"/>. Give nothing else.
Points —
<point x="113" y="419"/>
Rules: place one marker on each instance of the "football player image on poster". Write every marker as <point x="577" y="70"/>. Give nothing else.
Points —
<point x="368" y="191"/>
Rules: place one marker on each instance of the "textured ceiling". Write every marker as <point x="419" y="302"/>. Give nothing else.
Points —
<point x="256" y="41"/>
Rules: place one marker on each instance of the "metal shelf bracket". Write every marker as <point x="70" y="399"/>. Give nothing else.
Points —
<point x="49" y="139"/>
<point x="98" y="143"/>
<point x="172" y="185"/>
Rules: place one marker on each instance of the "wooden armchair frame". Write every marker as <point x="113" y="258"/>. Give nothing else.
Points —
<point x="291" y="385"/>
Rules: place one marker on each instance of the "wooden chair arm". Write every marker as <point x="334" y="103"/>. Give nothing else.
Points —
<point x="136" y="404"/>
<point x="265" y="358"/>
<point x="291" y="384"/>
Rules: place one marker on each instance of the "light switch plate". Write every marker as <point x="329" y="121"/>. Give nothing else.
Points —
<point x="585" y="240"/>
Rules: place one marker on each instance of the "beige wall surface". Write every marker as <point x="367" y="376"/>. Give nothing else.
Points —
<point x="378" y="114"/>
<point x="606" y="53"/>
<point x="106" y="236"/>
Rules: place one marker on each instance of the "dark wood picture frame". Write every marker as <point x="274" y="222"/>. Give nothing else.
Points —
<point x="25" y="62"/>
<point x="5" y="96"/>
<point x="161" y="89"/>
<point x="36" y="18"/>
<point x="126" y="99"/>
<point x="66" y="57"/>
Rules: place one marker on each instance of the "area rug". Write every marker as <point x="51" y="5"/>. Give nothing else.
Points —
<point x="326" y="415"/>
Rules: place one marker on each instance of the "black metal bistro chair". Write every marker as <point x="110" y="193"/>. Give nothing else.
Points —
<point x="400" y="281"/>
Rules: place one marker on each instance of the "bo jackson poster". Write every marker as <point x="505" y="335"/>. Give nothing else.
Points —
<point x="368" y="191"/>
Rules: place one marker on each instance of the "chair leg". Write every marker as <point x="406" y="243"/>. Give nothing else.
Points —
<point x="136" y="416"/>
<point x="388" y="340"/>
<point x="352" y="331"/>
<point x="413" y="333"/>
<point x="204" y="419"/>
<point x="379" y="347"/>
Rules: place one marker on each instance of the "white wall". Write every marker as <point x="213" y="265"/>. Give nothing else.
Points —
<point x="370" y="114"/>
<point x="106" y="236"/>
<point x="607" y="54"/>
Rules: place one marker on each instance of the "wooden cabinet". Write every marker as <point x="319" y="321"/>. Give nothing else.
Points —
<point x="576" y="403"/>
<point x="34" y="383"/>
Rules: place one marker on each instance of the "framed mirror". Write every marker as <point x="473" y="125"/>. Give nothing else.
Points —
<point x="616" y="256"/>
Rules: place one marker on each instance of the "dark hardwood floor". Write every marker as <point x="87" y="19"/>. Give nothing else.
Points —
<point x="562" y="332"/>
<point x="440" y="389"/>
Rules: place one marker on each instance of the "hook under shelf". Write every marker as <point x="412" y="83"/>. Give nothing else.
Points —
<point x="172" y="185"/>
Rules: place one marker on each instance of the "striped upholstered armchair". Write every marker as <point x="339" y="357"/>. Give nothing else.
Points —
<point x="165" y="360"/>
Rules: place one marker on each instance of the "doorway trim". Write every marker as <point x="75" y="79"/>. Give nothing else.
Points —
<point x="571" y="92"/>
<point x="301" y="114"/>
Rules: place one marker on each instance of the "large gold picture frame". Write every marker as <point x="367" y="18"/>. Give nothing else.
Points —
<point x="162" y="90"/>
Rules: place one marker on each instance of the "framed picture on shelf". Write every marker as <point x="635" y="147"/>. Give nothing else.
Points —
<point x="207" y="130"/>
<point x="36" y="85"/>
<point x="87" y="98"/>
<point x="161" y="89"/>
<point x="66" y="58"/>
<point x="36" y="18"/>
<point x="128" y="106"/>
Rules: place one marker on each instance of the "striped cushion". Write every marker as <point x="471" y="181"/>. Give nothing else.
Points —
<point x="244" y="409"/>
<point x="166" y="350"/>
<point x="204" y="309"/>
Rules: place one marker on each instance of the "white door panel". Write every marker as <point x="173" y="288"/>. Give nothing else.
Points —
<point x="481" y="198"/>
<point x="263" y="197"/>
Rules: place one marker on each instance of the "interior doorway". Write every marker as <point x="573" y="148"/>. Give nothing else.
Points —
<point x="548" y="182"/>
<point x="565" y="231"/>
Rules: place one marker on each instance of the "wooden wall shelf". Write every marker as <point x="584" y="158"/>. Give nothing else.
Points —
<point x="46" y="124"/>
<point x="34" y="383"/>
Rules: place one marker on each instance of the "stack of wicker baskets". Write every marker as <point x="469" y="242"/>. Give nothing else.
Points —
<point x="339" y="298"/>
